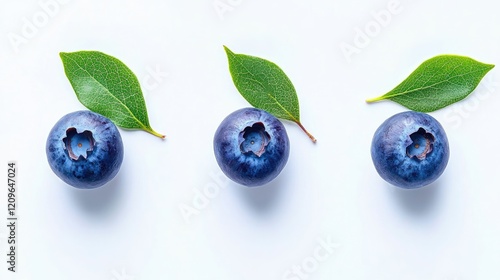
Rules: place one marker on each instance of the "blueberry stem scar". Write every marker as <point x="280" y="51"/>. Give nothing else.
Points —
<point x="255" y="139"/>
<point x="78" y="144"/>
<point x="422" y="144"/>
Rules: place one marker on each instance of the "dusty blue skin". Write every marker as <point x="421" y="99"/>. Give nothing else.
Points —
<point x="85" y="149"/>
<point x="251" y="147"/>
<point x="410" y="150"/>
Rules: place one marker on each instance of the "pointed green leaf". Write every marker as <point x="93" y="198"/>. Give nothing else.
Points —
<point x="265" y="86"/>
<point x="437" y="83"/>
<point x="106" y="86"/>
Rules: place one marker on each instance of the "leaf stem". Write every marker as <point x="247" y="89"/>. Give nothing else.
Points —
<point x="376" y="99"/>
<point x="155" y="133"/>
<point x="307" y="132"/>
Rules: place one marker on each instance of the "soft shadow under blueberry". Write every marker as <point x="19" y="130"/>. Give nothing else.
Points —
<point x="263" y="200"/>
<point x="101" y="201"/>
<point x="418" y="202"/>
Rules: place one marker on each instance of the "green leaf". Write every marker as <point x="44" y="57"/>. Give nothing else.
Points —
<point x="265" y="86"/>
<point x="106" y="86"/>
<point x="437" y="83"/>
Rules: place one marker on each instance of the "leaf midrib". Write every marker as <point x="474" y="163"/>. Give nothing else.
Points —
<point x="292" y="117"/>
<point x="110" y="93"/>
<point x="429" y="86"/>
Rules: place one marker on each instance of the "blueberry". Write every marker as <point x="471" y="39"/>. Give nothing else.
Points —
<point x="251" y="147"/>
<point x="410" y="150"/>
<point x="85" y="149"/>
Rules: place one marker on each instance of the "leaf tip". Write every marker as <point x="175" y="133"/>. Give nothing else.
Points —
<point x="228" y="51"/>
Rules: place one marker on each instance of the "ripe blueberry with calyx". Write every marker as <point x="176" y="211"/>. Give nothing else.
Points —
<point x="85" y="149"/>
<point x="251" y="147"/>
<point x="410" y="150"/>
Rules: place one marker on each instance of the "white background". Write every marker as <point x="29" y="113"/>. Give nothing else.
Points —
<point x="133" y="227"/>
